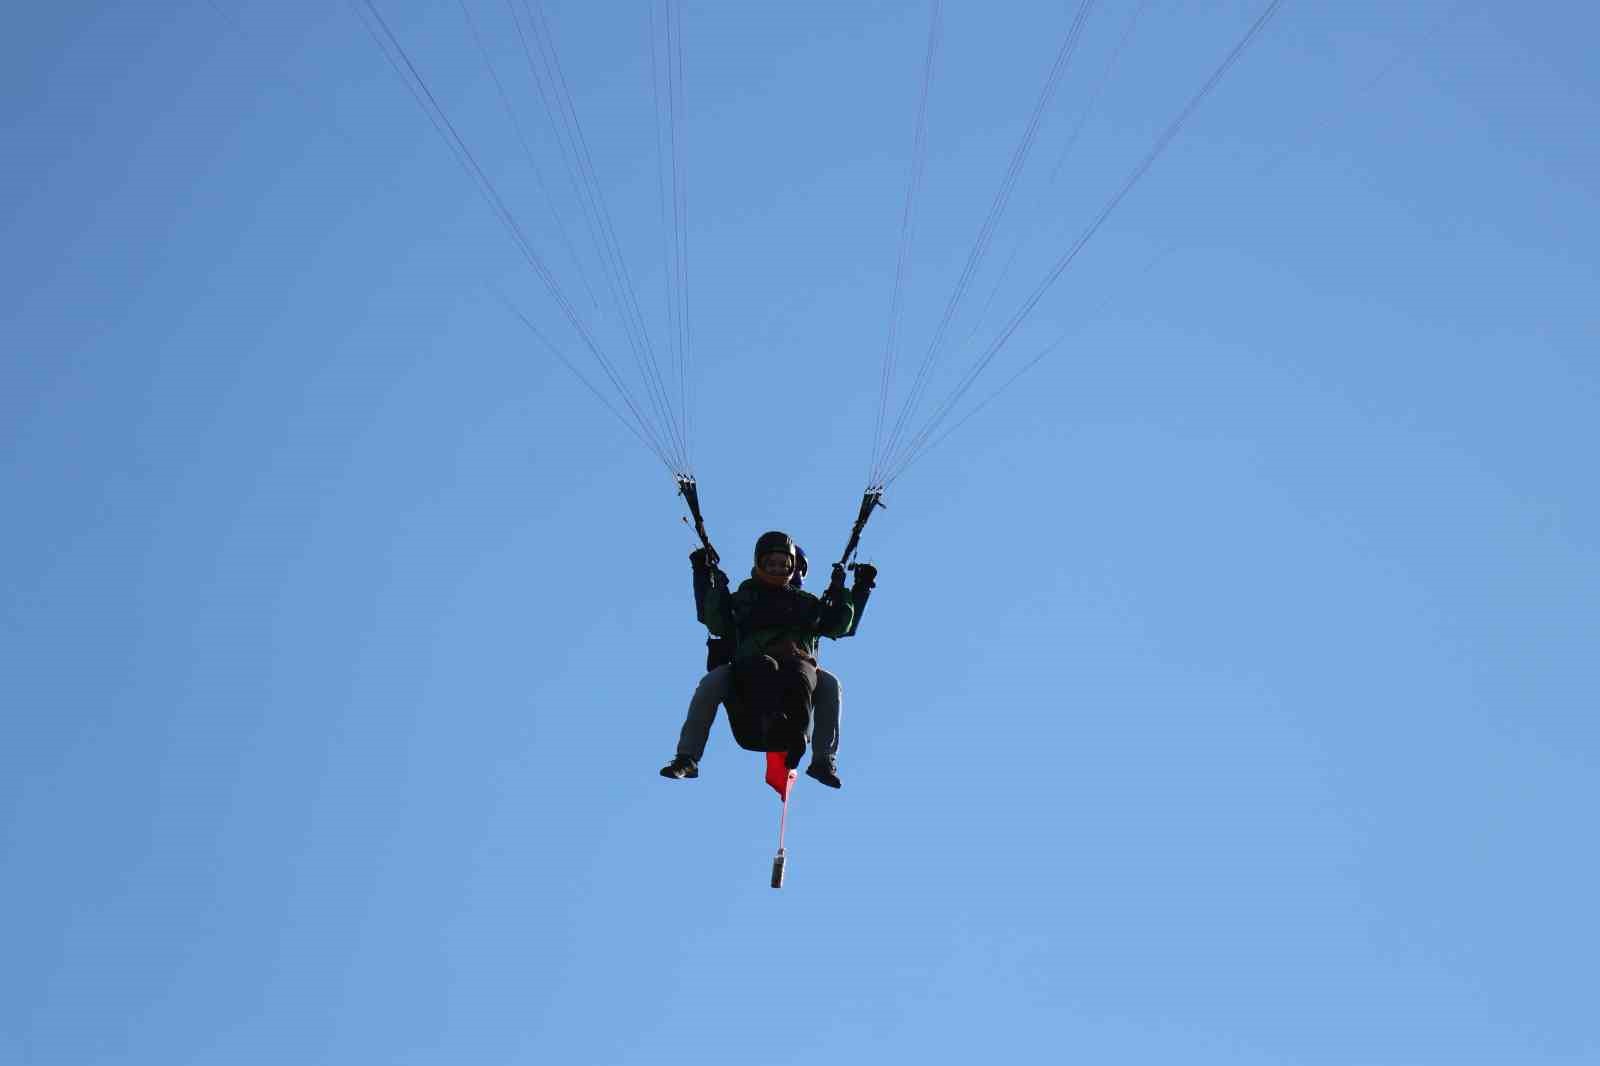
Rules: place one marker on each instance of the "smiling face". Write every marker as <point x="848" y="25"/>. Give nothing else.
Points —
<point x="774" y="558"/>
<point x="774" y="568"/>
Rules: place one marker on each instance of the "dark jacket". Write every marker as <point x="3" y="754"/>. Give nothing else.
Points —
<point x="761" y="618"/>
<point x="720" y="649"/>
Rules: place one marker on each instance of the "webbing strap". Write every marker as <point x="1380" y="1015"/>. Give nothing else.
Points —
<point x="870" y="501"/>
<point x="691" y="494"/>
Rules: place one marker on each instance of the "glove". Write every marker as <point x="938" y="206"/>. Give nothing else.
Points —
<point x="700" y="559"/>
<point x="836" y="583"/>
<point x="866" y="575"/>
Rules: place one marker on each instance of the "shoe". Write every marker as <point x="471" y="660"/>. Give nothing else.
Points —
<point x="825" y="770"/>
<point x="680" y="767"/>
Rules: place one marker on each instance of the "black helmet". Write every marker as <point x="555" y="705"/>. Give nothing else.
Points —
<point x="798" y="578"/>
<point x="774" y="541"/>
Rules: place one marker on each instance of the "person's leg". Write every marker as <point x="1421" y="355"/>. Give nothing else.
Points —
<point x="825" y="711"/>
<point x="757" y="701"/>
<point x="798" y="678"/>
<point x="825" y="730"/>
<point x="713" y="689"/>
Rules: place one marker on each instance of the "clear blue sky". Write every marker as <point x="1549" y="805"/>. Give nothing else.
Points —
<point x="1229" y="692"/>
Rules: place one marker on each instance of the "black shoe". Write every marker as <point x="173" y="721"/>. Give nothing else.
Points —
<point x="824" y="770"/>
<point x="681" y="767"/>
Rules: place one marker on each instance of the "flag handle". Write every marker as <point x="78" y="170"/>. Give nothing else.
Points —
<point x="780" y="859"/>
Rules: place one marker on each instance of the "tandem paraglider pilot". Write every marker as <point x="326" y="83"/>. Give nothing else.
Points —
<point x="769" y="627"/>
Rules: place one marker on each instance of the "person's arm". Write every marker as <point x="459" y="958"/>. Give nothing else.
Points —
<point x="860" y="591"/>
<point x="703" y="577"/>
<point x="708" y="579"/>
<point x="716" y="610"/>
<point x="837" y="612"/>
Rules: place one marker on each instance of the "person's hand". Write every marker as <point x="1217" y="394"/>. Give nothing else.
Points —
<point x="866" y="575"/>
<point x="836" y="583"/>
<point x="699" y="559"/>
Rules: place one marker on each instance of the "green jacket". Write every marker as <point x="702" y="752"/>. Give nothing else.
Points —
<point x="759" y="616"/>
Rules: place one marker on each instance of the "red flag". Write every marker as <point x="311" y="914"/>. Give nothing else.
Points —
<point x="779" y="775"/>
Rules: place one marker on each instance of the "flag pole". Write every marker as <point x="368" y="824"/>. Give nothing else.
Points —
<point x="780" y="858"/>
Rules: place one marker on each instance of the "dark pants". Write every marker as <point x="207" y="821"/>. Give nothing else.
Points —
<point x="774" y="704"/>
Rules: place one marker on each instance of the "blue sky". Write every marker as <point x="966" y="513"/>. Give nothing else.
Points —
<point x="1228" y="694"/>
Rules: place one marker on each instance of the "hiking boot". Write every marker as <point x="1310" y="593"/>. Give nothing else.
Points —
<point x="824" y="769"/>
<point x="681" y="767"/>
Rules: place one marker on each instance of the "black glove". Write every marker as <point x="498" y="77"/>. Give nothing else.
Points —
<point x="836" y="583"/>
<point x="866" y="576"/>
<point x="706" y="568"/>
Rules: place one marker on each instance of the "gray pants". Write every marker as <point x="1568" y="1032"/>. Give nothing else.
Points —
<point x="717" y="686"/>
